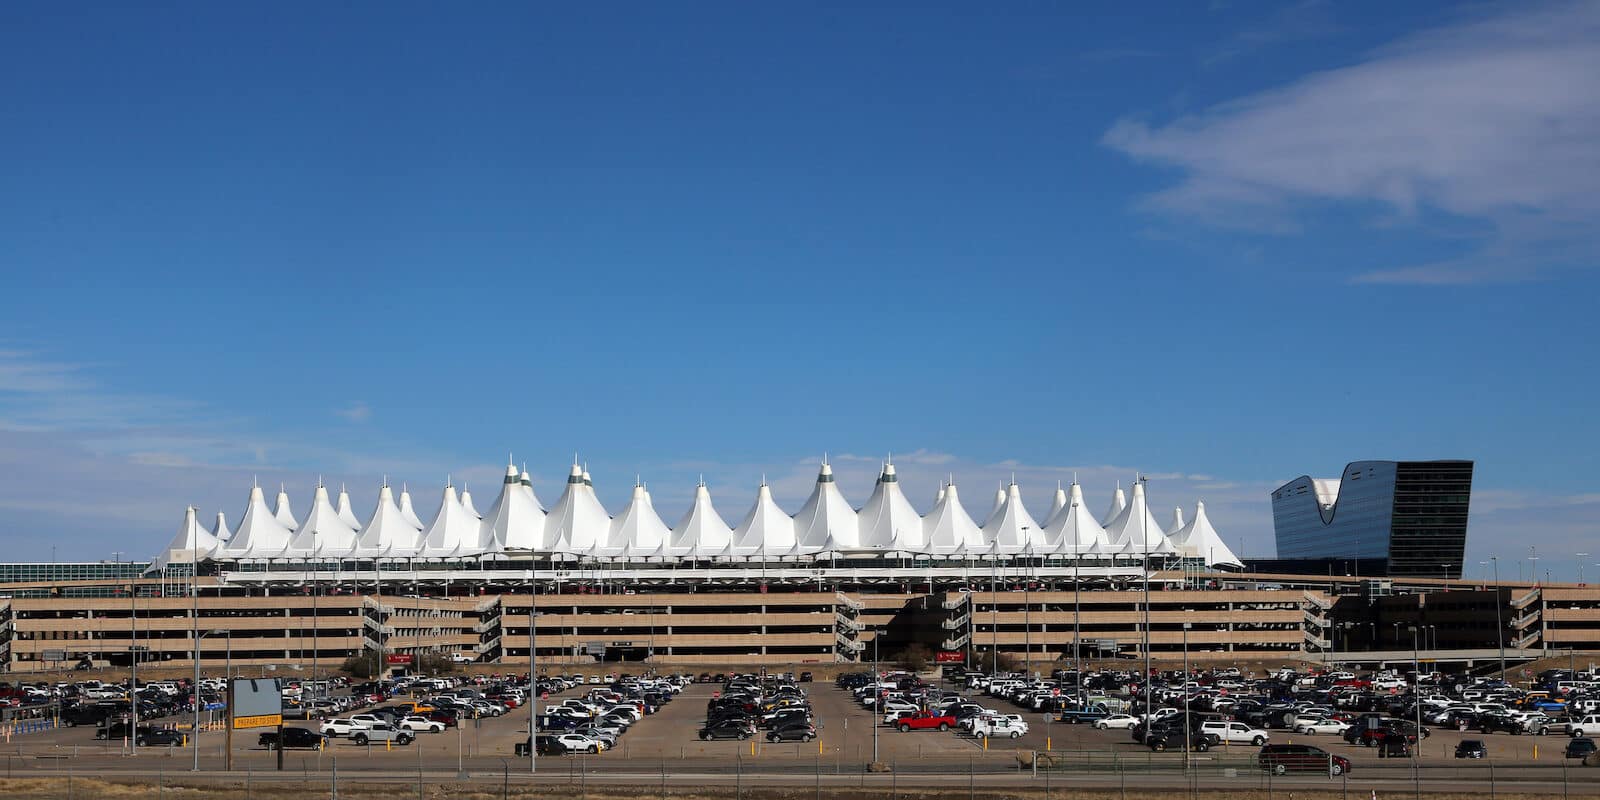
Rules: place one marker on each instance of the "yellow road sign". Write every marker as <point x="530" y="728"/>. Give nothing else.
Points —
<point x="259" y="721"/>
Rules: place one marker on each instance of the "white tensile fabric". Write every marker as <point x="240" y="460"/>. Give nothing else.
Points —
<point x="191" y="544"/>
<point x="282" y="513"/>
<point x="322" y="534"/>
<point x="999" y="502"/>
<point x="1119" y="501"/>
<point x="1074" y="531"/>
<point x="1199" y="540"/>
<point x="702" y="533"/>
<point x="826" y="523"/>
<point x="407" y="513"/>
<point x="1177" y="522"/>
<point x="387" y="534"/>
<point x="1011" y="529"/>
<point x="260" y="536"/>
<point x="766" y="531"/>
<point x="638" y="532"/>
<point x="466" y="503"/>
<point x="578" y="523"/>
<point x="347" y="516"/>
<point x="219" y="530"/>
<point x="888" y="522"/>
<point x="1135" y="532"/>
<point x="454" y="533"/>
<point x="515" y="522"/>
<point x="949" y="530"/>
<point x="579" y="527"/>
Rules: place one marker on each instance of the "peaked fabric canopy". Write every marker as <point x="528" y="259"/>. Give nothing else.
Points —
<point x="322" y="534"/>
<point x="578" y="523"/>
<point x="191" y="544"/>
<point x="466" y="503"/>
<point x="1177" y="521"/>
<point x="219" y="530"/>
<point x="1074" y="530"/>
<point x="347" y="516"/>
<point x="949" y="529"/>
<point x="826" y="523"/>
<point x="1058" y="501"/>
<point x="1135" y="532"/>
<point x="406" y="512"/>
<point x="701" y="533"/>
<point x="1199" y="540"/>
<point x="282" y="513"/>
<point x="260" y="536"/>
<point x="887" y="521"/>
<point x="765" y="530"/>
<point x="1119" y="501"/>
<point x="1011" y="529"/>
<point x="454" y="533"/>
<point x="638" y="532"/>
<point x="387" y="534"/>
<point x="515" y="521"/>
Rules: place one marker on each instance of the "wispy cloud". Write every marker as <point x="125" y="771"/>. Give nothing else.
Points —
<point x="356" y="412"/>
<point x="1308" y="19"/>
<point x="1492" y="120"/>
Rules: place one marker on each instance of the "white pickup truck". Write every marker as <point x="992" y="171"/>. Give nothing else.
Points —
<point x="1587" y="726"/>
<point x="999" y="728"/>
<point x="1235" y="732"/>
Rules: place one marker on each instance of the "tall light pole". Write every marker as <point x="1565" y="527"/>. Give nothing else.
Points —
<point x="1027" y="597"/>
<point x="533" y="675"/>
<point x="877" y="705"/>
<point x="133" y="651"/>
<point x="195" y="739"/>
<point x="1581" y="557"/>
<point x="1144" y="536"/>
<point x="1416" y="698"/>
<point x="1185" y="687"/>
<point x="994" y="615"/>
<point x="1077" y="607"/>
<point x="1499" y="629"/>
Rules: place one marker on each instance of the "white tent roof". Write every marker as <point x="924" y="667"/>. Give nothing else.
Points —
<point x="453" y="533"/>
<point x="1074" y="531"/>
<point x="322" y="534"/>
<point x="888" y="522"/>
<point x="999" y="502"/>
<point x="1177" y="522"/>
<point x="826" y="522"/>
<point x="638" y="531"/>
<point x="1198" y="539"/>
<point x="1011" y="529"/>
<point x="387" y="534"/>
<point x="949" y="529"/>
<point x="219" y="529"/>
<point x="407" y="513"/>
<point x="282" y="512"/>
<point x="1119" y="501"/>
<point x="1058" y="501"/>
<point x="347" y="516"/>
<point x="515" y="521"/>
<point x="466" y="503"/>
<point x="766" y="530"/>
<point x="192" y="544"/>
<point x="260" y="535"/>
<point x="578" y="523"/>
<point x="1136" y="532"/>
<point x="702" y="532"/>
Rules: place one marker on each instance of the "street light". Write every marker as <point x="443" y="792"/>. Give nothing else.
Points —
<point x="1581" y="557"/>
<point x="1185" y="688"/>
<point x="196" y="687"/>
<point x="1499" y="629"/>
<point x="1416" y="702"/>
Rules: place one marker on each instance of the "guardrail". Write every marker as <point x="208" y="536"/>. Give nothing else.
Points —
<point x="957" y="623"/>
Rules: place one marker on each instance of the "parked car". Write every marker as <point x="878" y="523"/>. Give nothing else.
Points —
<point x="420" y="725"/>
<point x="792" y="733"/>
<point x="159" y="737"/>
<point x="1235" y="732"/>
<point x="293" y="738"/>
<point x="1282" y="758"/>
<point x="725" y="730"/>
<point x="1472" y="748"/>
<point x="1324" y="726"/>
<point x="382" y="732"/>
<point x="1118" y="721"/>
<point x="339" y="726"/>
<point x="547" y="746"/>
<point x="1580" y="747"/>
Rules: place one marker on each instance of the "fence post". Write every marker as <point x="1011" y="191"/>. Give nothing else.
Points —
<point x="335" y="778"/>
<point x="1491" y="780"/>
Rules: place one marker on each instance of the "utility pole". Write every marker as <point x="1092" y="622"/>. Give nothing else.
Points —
<point x="533" y="676"/>
<point x="1499" y="629"/>
<point x="1144" y="534"/>
<point x="133" y="651"/>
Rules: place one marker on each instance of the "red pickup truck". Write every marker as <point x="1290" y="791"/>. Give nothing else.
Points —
<point x="926" y="720"/>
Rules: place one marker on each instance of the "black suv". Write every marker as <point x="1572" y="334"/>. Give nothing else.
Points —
<point x="1282" y="758"/>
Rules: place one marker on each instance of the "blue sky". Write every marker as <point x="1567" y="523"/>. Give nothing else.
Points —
<point x="1224" y="244"/>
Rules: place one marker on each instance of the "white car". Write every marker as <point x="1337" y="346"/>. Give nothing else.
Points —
<point x="1235" y="732"/>
<point x="1321" y="726"/>
<point x="421" y="725"/>
<point x="1119" y="721"/>
<point x="341" y="727"/>
<point x="578" y="743"/>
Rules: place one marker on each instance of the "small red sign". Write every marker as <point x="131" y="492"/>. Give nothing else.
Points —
<point x="948" y="657"/>
<point x="397" y="659"/>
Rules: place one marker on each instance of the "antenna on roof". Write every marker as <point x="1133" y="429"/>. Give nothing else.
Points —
<point x="255" y="481"/>
<point x="385" y="480"/>
<point x="447" y="479"/>
<point x="824" y="458"/>
<point x="763" y="479"/>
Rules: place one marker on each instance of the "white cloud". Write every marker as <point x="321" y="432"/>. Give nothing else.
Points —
<point x="356" y="412"/>
<point x="1493" y="120"/>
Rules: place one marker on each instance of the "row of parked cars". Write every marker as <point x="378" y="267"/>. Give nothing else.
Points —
<point x="769" y="705"/>
<point x="596" y="720"/>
